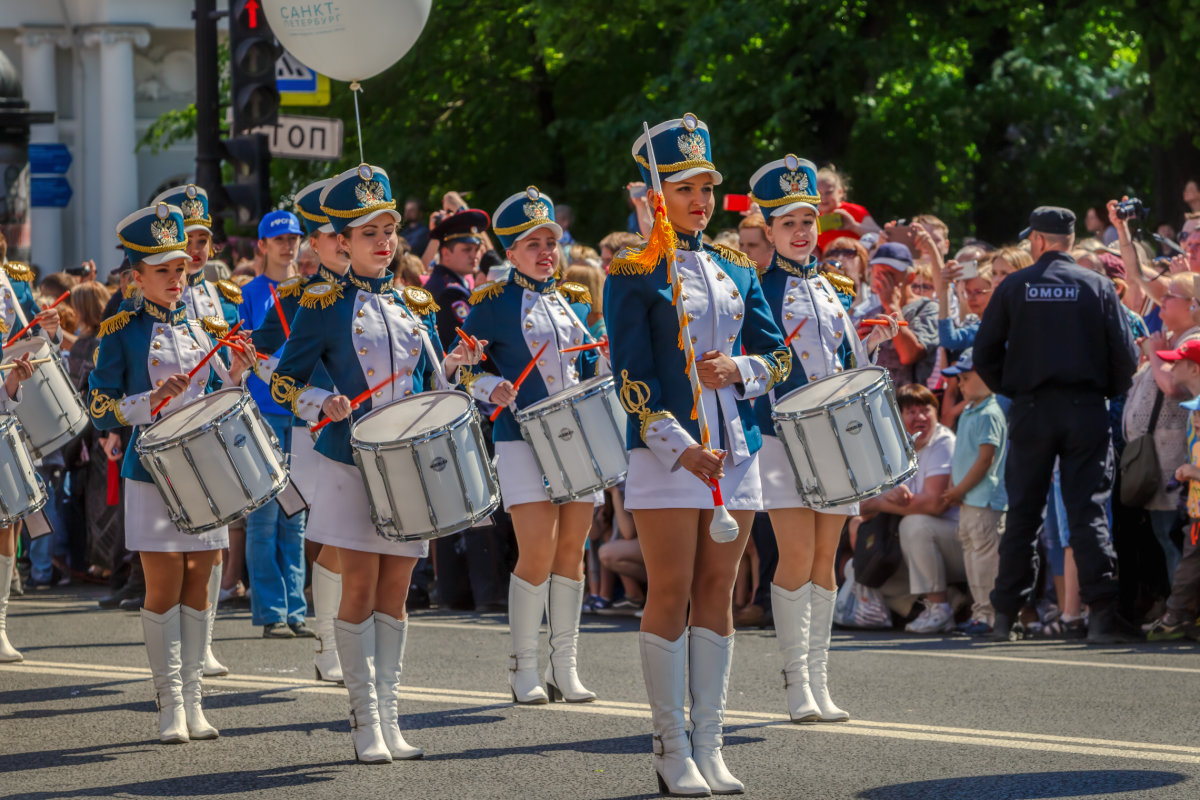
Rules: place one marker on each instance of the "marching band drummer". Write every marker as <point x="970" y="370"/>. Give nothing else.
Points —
<point x="143" y="359"/>
<point x="668" y="485"/>
<point x="801" y="296"/>
<point x="520" y="315"/>
<point x="203" y="298"/>
<point x="305" y="464"/>
<point x="362" y="331"/>
<point x="9" y="398"/>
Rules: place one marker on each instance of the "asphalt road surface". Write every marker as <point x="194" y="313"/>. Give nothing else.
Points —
<point x="933" y="718"/>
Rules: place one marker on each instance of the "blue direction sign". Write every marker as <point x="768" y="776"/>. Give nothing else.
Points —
<point x="49" y="159"/>
<point x="51" y="191"/>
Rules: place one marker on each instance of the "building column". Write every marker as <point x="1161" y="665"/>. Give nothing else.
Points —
<point x="118" y="133"/>
<point x="40" y="82"/>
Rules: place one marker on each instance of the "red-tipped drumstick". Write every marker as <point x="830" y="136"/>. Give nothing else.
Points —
<point x="902" y="323"/>
<point x="471" y="341"/>
<point x="521" y="378"/>
<point x="236" y="346"/>
<point x="591" y="346"/>
<point x="792" y="335"/>
<point x="192" y="373"/>
<point x="36" y="317"/>
<point x="359" y="399"/>
<point x="287" y="331"/>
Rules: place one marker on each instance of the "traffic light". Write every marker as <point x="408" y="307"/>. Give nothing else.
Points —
<point x="253" y="52"/>
<point x="249" y="196"/>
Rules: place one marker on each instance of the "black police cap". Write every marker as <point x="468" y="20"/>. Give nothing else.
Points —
<point x="1053" y="220"/>
<point x="467" y="225"/>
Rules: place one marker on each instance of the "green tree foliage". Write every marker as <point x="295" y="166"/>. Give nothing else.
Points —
<point x="975" y="111"/>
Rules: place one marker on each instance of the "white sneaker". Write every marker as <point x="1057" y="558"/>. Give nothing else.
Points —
<point x="936" y="618"/>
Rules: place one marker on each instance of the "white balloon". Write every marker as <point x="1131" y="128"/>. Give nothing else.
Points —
<point x="348" y="40"/>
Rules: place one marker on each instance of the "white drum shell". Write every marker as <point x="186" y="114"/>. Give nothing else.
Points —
<point x="578" y="439"/>
<point x="845" y="438"/>
<point x="224" y="463"/>
<point x="21" y="488"/>
<point x="435" y="478"/>
<point x="51" y="411"/>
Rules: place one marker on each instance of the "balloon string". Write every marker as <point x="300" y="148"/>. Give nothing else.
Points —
<point x="356" y="88"/>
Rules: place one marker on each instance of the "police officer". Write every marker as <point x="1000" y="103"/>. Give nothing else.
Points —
<point x="1056" y="341"/>
<point x="460" y="247"/>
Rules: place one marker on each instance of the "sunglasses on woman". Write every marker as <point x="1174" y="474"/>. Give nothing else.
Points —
<point x="839" y="254"/>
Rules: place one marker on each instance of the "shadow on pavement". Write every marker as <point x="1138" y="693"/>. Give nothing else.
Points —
<point x="220" y="783"/>
<point x="1031" y="786"/>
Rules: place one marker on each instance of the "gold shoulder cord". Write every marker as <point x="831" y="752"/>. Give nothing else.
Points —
<point x="634" y="396"/>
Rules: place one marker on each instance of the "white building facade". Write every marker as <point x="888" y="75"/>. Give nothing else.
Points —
<point x="108" y="69"/>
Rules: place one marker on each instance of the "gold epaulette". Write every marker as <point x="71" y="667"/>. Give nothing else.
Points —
<point x="18" y="271"/>
<point x="291" y="287"/>
<point x="419" y="301"/>
<point x="734" y="256"/>
<point x="840" y="283"/>
<point x="115" y="323"/>
<point x="321" y="293"/>
<point x="215" y="326"/>
<point x="622" y="264"/>
<point x="576" y="293"/>
<point x="231" y="291"/>
<point x="487" y="291"/>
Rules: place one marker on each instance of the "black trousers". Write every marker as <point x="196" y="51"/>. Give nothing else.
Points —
<point x="1074" y="428"/>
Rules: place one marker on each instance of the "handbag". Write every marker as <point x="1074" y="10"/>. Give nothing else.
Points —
<point x="1140" y="472"/>
<point x="877" y="552"/>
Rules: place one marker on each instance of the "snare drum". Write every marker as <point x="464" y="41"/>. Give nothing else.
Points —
<point x="51" y="411"/>
<point x="844" y="437"/>
<point x="21" y="489"/>
<point x="430" y="441"/>
<point x="578" y="439"/>
<point x="214" y="460"/>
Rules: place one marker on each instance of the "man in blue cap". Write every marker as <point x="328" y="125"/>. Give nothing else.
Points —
<point x="1056" y="341"/>
<point x="274" y="543"/>
<point x="460" y="247"/>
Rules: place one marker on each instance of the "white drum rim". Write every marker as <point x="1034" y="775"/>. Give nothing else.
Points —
<point x="7" y="422"/>
<point x="166" y="444"/>
<point x="19" y="348"/>
<point x="583" y="390"/>
<point x="819" y="410"/>
<point x="464" y="418"/>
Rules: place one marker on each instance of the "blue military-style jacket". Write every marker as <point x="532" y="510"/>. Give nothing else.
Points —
<point x="139" y="349"/>
<point x="517" y="316"/>
<point x="361" y="331"/>
<point x="17" y="305"/>
<point x="727" y="312"/>
<point x="828" y="343"/>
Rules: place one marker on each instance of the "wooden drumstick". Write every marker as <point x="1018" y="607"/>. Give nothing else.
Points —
<point x="12" y="364"/>
<point x="594" y="345"/>
<point x="901" y="323"/>
<point x="236" y="346"/>
<point x="191" y="374"/>
<point x="521" y="378"/>
<point x="359" y="399"/>
<point x="287" y="331"/>
<point x="36" y="317"/>
<point x="471" y="341"/>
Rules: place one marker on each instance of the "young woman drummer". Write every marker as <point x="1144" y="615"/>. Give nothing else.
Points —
<point x="520" y="315"/>
<point x="305" y="464"/>
<point x="802" y="297"/>
<point x="668" y="486"/>
<point x="203" y="298"/>
<point x="144" y="357"/>
<point x="362" y="331"/>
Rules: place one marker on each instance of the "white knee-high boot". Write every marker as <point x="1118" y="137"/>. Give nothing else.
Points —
<point x="162" y="635"/>
<point x="710" y="657"/>
<point x="8" y="653"/>
<point x="562" y="614"/>
<point x="212" y="667"/>
<point x="193" y="633"/>
<point x="327" y="596"/>
<point x="818" y="653"/>
<point x="390" y="635"/>
<point x="356" y="645"/>
<point x="526" y="604"/>
<point x="663" y="667"/>
<point x="793" y="618"/>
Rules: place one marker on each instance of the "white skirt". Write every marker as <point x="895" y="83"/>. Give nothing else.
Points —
<point x="779" y="481"/>
<point x="651" y="485"/>
<point x="148" y="526"/>
<point x="305" y="467"/>
<point x="341" y="514"/>
<point x="520" y="479"/>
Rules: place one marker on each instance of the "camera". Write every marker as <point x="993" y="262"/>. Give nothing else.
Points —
<point x="1133" y="208"/>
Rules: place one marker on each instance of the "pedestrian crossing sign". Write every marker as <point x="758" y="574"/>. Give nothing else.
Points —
<point x="300" y="85"/>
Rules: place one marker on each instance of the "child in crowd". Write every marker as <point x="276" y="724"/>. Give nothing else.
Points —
<point x="977" y="475"/>
<point x="1184" y="365"/>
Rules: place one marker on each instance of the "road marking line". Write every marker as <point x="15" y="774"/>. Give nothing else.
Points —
<point x="1017" y="740"/>
<point x="1058" y="662"/>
